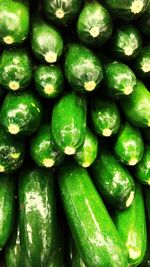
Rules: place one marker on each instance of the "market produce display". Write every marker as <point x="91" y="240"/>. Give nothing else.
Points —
<point x="74" y="133"/>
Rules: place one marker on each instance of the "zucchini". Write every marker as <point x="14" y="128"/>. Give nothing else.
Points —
<point x="142" y="63"/>
<point x="69" y="122"/>
<point x="89" y="221"/>
<point x="94" y="26"/>
<point x="144" y="22"/>
<point x="142" y="169"/>
<point x="83" y="69"/>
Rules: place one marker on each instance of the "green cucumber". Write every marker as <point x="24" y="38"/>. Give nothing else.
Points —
<point x="89" y="221"/>
<point x="142" y="63"/>
<point x="83" y="69"/>
<point x="62" y="12"/>
<point x="105" y="116"/>
<point x="14" y="26"/>
<point x="142" y="169"/>
<point x="21" y="115"/>
<point x="69" y="122"/>
<point x="46" y="41"/>
<point x="131" y="226"/>
<point x="94" y="26"/>
<point x="87" y="152"/>
<point x="137" y="106"/>
<point x="15" y="69"/>
<point x="49" y="81"/>
<point x="76" y="260"/>
<point x="144" y="22"/>
<point x="37" y="211"/>
<point x="42" y="148"/>
<point x="113" y="181"/>
<point x="128" y="146"/>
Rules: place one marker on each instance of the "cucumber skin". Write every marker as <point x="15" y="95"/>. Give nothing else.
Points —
<point x="142" y="169"/>
<point x="85" y="210"/>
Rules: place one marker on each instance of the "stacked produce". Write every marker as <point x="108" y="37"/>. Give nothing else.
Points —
<point x="74" y="133"/>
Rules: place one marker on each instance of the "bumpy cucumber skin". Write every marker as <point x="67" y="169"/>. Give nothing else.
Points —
<point x="94" y="16"/>
<point x="105" y="116"/>
<point x="132" y="228"/>
<point x="137" y="106"/>
<point x="144" y="22"/>
<point x="82" y="67"/>
<point x="7" y="207"/>
<point x="49" y="81"/>
<point x="142" y="169"/>
<point x="15" y="67"/>
<point x="42" y="148"/>
<point x="24" y="111"/>
<point x="69" y="121"/>
<point x="128" y="145"/>
<point x="37" y="215"/>
<point x="142" y="63"/>
<point x="67" y="11"/>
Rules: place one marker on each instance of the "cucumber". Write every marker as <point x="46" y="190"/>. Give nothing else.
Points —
<point x="14" y="26"/>
<point x="83" y="69"/>
<point x="142" y="169"/>
<point x="144" y="22"/>
<point x="21" y="115"/>
<point x="42" y="148"/>
<point x="76" y="259"/>
<point x="46" y="41"/>
<point x="113" y="181"/>
<point x="7" y="207"/>
<point x="94" y="26"/>
<point x="49" y="81"/>
<point x="105" y="116"/>
<point x="62" y="12"/>
<point x="137" y="106"/>
<point x="87" y="152"/>
<point x="89" y="221"/>
<point x="132" y="228"/>
<point x="11" y="152"/>
<point x="37" y="212"/>
<point x="69" y="122"/>
<point x="128" y="146"/>
<point x="142" y="63"/>
<point x="15" y="69"/>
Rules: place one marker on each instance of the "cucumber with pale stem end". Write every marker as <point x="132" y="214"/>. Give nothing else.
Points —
<point x="142" y="63"/>
<point x="142" y="169"/>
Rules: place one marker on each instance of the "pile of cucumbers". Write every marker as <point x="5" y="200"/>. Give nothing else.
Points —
<point x="74" y="133"/>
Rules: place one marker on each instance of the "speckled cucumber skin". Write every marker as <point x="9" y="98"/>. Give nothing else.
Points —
<point x="142" y="63"/>
<point x="132" y="228"/>
<point x="91" y="226"/>
<point x="142" y="169"/>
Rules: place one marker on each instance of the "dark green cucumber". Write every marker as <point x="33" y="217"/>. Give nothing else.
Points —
<point x="105" y="116"/>
<point x="128" y="146"/>
<point x="94" y="26"/>
<point x="43" y="150"/>
<point x="11" y="152"/>
<point x="62" y="12"/>
<point x="21" y="115"/>
<point x="89" y="220"/>
<point x="69" y="122"/>
<point x="137" y="106"/>
<point x="49" y="81"/>
<point x="131" y="226"/>
<point x="142" y="169"/>
<point x="144" y="22"/>
<point x="37" y="215"/>
<point x="46" y="41"/>
<point x="113" y="180"/>
<point x="76" y="259"/>
<point x="126" y="42"/>
<point x="15" y="69"/>
<point x="7" y="207"/>
<point x="14" y="26"/>
<point x="142" y="63"/>
<point x="83" y="69"/>
<point x="119" y="79"/>
<point x="87" y="152"/>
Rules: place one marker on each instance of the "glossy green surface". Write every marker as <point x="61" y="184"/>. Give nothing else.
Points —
<point x="142" y="63"/>
<point x="142" y="169"/>
<point x="43" y="150"/>
<point x="144" y="22"/>
<point x="15" y="69"/>
<point x="69" y="122"/>
<point x="91" y="226"/>
<point x="137" y="106"/>
<point x="128" y="146"/>
<point x="83" y="69"/>
<point x="94" y="26"/>
<point x="37" y="215"/>
<point x="131" y="226"/>
<point x="21" y="115"/>
<point x="49" y="81"/>
<point x="113" y="181"/>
